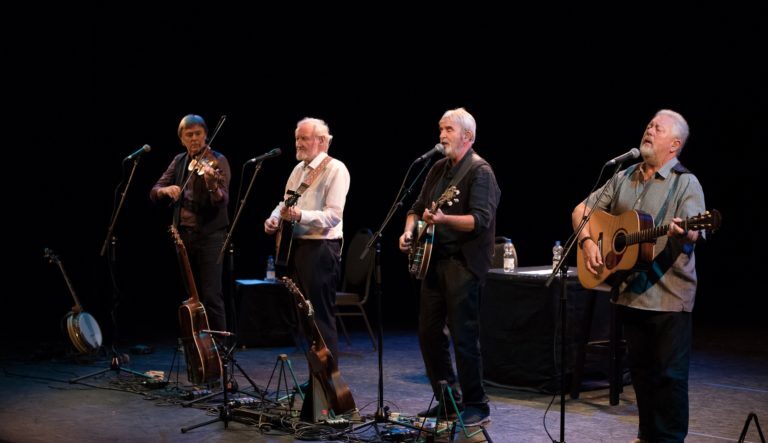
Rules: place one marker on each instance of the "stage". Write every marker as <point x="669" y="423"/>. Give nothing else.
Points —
<point x="728" y="381"/>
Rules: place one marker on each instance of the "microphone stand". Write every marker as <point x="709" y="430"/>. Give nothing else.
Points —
<point x="562" y="269"/>
<point x="119" y="207"/>
<point x="109" y="244"/>
<point x="382" y="415"/>
<point x="239" y="212"/>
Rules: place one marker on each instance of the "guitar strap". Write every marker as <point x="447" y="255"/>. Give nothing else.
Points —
<point x="310" y="178"/>
<point x="460" y="173"/>
<point x="641" y="282"/>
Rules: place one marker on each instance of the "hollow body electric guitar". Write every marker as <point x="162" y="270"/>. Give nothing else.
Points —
<point x="82" y="328"/>
<point x="626" y="241"/>
<point x="424" y="236"/>
<point x="284" y="235"/>
<point x="203" y="360"/>
<point x="322" y="363"/>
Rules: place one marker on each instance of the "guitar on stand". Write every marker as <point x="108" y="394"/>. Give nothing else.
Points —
<point x="424" y="236"/>
<point x="626" y="241"/>
<point x="284" y="235"/>
<point x="203" y="360"/>
<point x="82" y="328"/>
<point x="330" y="395"/>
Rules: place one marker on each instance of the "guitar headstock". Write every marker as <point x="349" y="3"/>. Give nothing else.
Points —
<point x="709" y="220"/>
<point x="176" y="238"/>
<point x="303" y="302"/>
<point x="48" y="253"/>
<point x="294" y="197"/>
<point x="448" y="197"/>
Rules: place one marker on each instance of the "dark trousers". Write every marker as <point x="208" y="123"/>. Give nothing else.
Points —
<point x="315" y="267"/>
<point x="203" y="252"/>
<point x="450" y="296"/>
<point x="659" y="345"/>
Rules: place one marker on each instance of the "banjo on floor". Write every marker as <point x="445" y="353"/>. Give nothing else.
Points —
<point x="82" y="328"/>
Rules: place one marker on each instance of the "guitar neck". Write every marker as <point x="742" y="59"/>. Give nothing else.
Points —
<point x="188" y="275"/>
<point x="181" y="251"/>
<point x="647" y="235"/>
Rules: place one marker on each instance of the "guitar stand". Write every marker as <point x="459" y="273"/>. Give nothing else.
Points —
<point x="750" y="417"/>
<point x="113" y="366"/>
<point x="436" y="431"/>
<point x="228" y="382"/>
<point x="282" y="380"/>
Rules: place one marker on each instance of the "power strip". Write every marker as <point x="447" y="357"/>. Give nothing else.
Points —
<point x="337" y="423"/>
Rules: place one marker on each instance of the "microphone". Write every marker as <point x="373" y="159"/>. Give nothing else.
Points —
<point x="438" y="148"/>
<point x="222" y="333"/>
<point x="631" y="154"/>
<point x="273" y="153"/>
<point x="138" y="152"/>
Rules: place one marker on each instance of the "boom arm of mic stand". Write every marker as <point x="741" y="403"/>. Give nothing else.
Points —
<point x="119" y="206"/>
<point x="398" y="203"/>
<point x="228" y="237"/>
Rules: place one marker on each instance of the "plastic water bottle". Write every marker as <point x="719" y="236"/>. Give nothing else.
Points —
<point x="271" y="269"/>
<point x="557" y="254"/>
<point x="509" y="256"/>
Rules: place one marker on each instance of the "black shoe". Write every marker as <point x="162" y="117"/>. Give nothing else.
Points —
<point x="476" y="415"/>
<point x="439" y="411"/>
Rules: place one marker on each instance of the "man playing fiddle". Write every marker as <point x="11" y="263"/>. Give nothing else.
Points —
<point x="197" y="181"/>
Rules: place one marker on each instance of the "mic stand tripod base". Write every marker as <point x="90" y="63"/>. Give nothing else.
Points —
<point x="225" y="410"/>
<point x="113" y="366"/>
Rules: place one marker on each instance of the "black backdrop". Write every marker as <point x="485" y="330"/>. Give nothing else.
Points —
<point x="555" y="96"/>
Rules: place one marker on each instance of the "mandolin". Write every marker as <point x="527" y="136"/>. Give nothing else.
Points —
<point x="203" y="360"/>
<point x="322" y="365"/>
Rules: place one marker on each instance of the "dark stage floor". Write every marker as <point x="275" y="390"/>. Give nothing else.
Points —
<point x="728" y="381"/>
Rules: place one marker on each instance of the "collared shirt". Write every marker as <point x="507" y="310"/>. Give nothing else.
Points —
<point x="322" y="204"/>
<point x="479" y="197"/>
<point x="670" y="283"/>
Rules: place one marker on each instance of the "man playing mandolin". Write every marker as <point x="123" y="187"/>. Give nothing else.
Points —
<point x="461" y="256"/>
<point x="655" y="305"/>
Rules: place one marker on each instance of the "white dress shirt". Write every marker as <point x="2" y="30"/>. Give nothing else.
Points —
<point x="322" y="204"/>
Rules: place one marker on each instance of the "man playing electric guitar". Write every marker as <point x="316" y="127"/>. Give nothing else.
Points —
<point x="461" y="257"/>
<point x="655" y="305"/>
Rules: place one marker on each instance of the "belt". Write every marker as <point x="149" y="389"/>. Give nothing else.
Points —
<point x="306" y="240"/>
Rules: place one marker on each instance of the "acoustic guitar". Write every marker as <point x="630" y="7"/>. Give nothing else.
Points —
<point x="626" y="241"/>
<point x="82" y="328"/>
<point x="284" y="235"/>
<point x="424" y="236"/>
<point x="203" y="360"/>
<point x="322" y="364"/>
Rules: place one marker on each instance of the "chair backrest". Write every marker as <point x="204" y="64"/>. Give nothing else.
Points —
<point x="358" y="273"/>
<point x="498" y="253"/>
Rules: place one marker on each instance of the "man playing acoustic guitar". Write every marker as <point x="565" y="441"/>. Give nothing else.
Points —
<point x="316" y="215"/>
<point x="655" y="305"/>
<point x="461" y="256"/>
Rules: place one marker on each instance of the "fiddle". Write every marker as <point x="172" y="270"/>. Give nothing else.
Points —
<point x="205" y="159"/>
